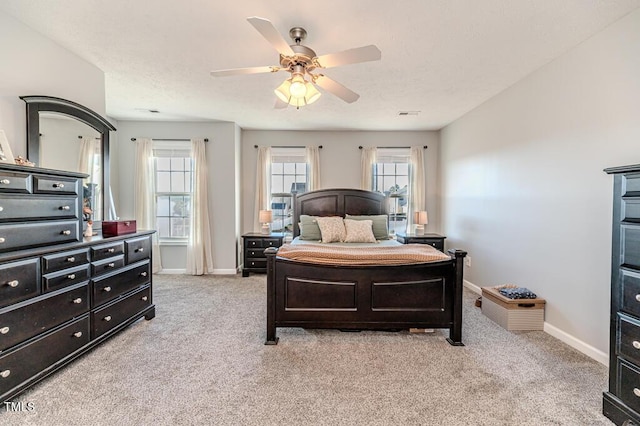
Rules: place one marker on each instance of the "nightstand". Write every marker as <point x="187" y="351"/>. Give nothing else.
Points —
<point x="254" y="244"/>
<point x="434" y="240"/>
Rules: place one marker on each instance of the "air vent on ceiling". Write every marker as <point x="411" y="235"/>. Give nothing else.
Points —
<point x="403" y="113"/>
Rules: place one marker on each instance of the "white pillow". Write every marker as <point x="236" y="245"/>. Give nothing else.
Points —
<point x="359" y="231"/>
<point x="331" y="229"/>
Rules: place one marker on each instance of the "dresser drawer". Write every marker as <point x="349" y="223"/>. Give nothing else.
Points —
<point x="137" y="249"/>
<point x="20" y="208"/>
<point x="65" y="278"/>
<point x="22" y="321"/>
<point x="19" y="281"/>
<point x="23" y="235"/>
<point x="105" y="251"/>
<point x="15" y="182"/>
<point x="629" y="384"/>
<point x="112" y="286"/>
<point x="628" y="341"/>
<point x="28" y="361"/>
<point x="55" y="185"/>
<point x="630" y="292"/>
<point x="107" y="265"/>
<point x="112" y="315"/>
<point x="64" y="260"/>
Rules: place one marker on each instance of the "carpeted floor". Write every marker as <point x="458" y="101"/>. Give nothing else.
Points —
<point x="202" y="361"/>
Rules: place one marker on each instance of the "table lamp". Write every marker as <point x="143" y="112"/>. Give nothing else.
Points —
<point x="420" y="219"/>
<point x="265" y="218"/>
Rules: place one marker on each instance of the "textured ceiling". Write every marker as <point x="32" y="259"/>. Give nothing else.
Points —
<point x="441" y="58"/>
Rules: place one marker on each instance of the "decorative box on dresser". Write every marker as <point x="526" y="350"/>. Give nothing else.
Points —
<point x="254" y="244"/>
<point x="621" y="402"/>
<point x="60" y="294"/>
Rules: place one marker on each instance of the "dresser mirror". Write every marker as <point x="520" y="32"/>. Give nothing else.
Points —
<point x="64" y="135"/>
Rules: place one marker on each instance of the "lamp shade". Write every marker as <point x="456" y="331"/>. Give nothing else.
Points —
<point x="265" y="216"/>
<point x="420" y="218"/>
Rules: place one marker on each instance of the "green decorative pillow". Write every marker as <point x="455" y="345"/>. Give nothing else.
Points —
<point x="380" y="224"/>
<point x="309" y="229"/>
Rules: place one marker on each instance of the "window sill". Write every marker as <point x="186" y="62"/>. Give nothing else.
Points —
<point x="173" y="243"/>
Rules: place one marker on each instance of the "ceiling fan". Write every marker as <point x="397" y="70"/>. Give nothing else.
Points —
<point x="302" y="62"/>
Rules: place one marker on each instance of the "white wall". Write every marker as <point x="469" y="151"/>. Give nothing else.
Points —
<point x="523" y="186"/>
<point x="222" y="152"/>
<point x="34" y="65"/>
<point x="339" y="161"/>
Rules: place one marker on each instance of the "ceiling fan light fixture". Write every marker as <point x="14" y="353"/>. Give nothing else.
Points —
<point x="312" y="93"/>
<point x="282" y="91"/>
<point x="298" y="87"/>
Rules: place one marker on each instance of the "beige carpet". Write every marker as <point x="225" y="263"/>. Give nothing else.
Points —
<point x="202" y="361"/>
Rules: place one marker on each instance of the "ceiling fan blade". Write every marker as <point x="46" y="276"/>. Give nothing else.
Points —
<point x="336" y="88"/>
<point x="242" y="71"/>
<point x="351" y="56"/>
<point x="268" y="31"/>
<point x="280" y="104"/>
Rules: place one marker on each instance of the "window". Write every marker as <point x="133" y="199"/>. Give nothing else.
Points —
<point x="391" y="177"/>
<point x="174" y="187"/>
<point x="288" y="175"/>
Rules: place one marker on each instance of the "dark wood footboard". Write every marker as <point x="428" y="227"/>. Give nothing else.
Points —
<point x="383" y="297"/>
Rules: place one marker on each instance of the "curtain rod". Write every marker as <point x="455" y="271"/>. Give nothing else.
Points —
<point x="80" y="136"/>
<point x="389" y="147"/>
<point x="289" y="146"/>
<point x="180" y="140"/>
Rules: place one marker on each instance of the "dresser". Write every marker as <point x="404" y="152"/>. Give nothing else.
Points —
<point x="60" y="294"/>
<point x="253" y="245"/>
<point x="621" y="402"/>
<point x="434" y="240"/>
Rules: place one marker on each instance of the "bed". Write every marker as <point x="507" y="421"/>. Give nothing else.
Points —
<point x="360" y="296"/>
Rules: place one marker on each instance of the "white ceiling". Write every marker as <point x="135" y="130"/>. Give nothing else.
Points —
<point x="440" y="57"/>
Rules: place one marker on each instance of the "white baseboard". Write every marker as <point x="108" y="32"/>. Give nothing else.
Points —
<point x="184" y="271"/>
<point x="564" y="337"/>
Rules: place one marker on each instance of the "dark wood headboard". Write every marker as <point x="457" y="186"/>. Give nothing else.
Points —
<point x="337" y="202"/>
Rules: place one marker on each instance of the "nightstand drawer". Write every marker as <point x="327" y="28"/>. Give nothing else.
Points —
<point x="259" y="253"/>
<point x="256" y="263"/>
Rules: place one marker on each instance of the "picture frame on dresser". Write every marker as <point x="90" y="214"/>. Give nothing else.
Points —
<point x="6" y="156"/>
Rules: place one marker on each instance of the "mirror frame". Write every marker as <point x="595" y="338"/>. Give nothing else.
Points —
<point x="36" y="104"/>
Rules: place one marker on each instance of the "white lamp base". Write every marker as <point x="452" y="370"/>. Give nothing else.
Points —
<point x="419" y="230"/>
<point x="266" y="228"/>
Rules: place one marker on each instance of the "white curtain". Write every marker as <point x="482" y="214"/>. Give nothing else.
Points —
<point x="145" y="200"/>
<point x="263" y="184"/>
<point x="199" y="248"/>
<point x="312" y="154"/>
<point x="367" y="161"/>
<point x="86" y="164"/>
<point x="417" y="184"/>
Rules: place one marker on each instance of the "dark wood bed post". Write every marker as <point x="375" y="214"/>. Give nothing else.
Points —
<point x="455" y="332"/>
<point x="271" y="296"/>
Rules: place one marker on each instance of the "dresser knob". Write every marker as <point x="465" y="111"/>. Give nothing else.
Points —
<point x="78" y="334"/>
<point x="111" y="265"/>
<point x="1" y="208"/>
<point x="111" y="250"/>
<point x="143" y="274"/>
<point x="5" y="181"/>
<point x="140" y="250"/>
<point x="636" y="344"/>
<point x="71" y="259"/>
<point x="58" y="185"/>
<point x="4" y="330"/>
<point x="2" y="240"/>
<point x="636" y="392"/>
<point x="107" y="289"/>
<point x="66" y="232"/>
<point x="5" y="373"/>
<point x="638" y="297"/>
<point x="65" y="208"/>
<point x="71" y="276"/>
<point x="13" y="283"/>
<point x="107" y="318"/>
<point x="77" y="301"/>
<point x="144" y="298"/>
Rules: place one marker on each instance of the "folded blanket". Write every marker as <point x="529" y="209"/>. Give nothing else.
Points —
<point x="517" y="293"/>
<point x="342" y="255"/>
